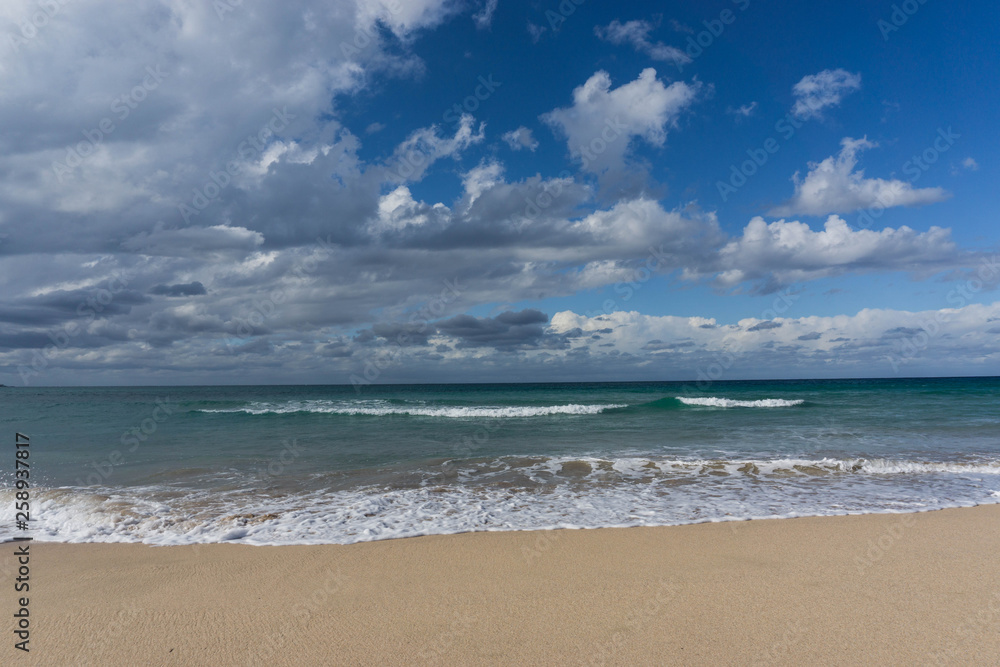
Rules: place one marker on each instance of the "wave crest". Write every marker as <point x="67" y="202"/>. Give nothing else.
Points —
<point x="713" y="402"/>
<point x="379" y="409"/>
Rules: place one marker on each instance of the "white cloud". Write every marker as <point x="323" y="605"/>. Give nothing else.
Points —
<point x="188" y="240"/>
<point x="403" y="17"/>
<point x="482" y="178"/>
<point x="970" y="164"/>
<point x="744" y="111"/>
<point x="398" y="210"/>
<point x="816" y="92"/>
<point x="484" y="17"/>
<point x="872" y="342"/>
<point x="832" y="186"/>
<point x="636" y="33"/>
<point x="602" y="122"/>
<point x="424" y="147"/>
<point x="781" y="253"/>
<point x="521" y="138"/>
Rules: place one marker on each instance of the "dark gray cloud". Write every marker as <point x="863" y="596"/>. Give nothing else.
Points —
<point x="507" y="331"/>
<point x="256" y="232"/>
<point x="901" y="332"/>
<point x="188" y="289"/>
<point x="764" y="326"/>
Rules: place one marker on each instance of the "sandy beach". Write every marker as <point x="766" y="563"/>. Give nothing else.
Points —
<point x="877" y="589"/>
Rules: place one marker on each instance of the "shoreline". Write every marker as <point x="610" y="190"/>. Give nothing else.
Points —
<point x="914" y="588"/>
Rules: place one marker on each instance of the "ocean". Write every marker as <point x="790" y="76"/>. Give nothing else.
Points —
<point x="334" y="464"/>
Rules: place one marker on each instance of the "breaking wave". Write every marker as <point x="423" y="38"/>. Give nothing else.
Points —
<point x="381" y="409"/>
<point x="713" y="402"/>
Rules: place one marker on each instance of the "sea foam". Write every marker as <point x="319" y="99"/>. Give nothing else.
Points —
<point x="381" y="408"/>
<point x="510" y="493"/>
<point x="713" y="402"/>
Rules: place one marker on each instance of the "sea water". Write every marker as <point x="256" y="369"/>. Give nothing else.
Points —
<point x="341" y="464"/>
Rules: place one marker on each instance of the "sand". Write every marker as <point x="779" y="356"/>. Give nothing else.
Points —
<point x="878" y="589"/>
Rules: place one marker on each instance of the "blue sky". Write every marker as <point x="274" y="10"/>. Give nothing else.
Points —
<point x="909" y="93"/>
<point x="704" y="172"/>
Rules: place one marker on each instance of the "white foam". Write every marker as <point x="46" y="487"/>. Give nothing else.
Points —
<point x="888" y="467"/>
<point x="607" y="492"/>
<point x="381" y="408"/>
<point x="644" y="466"/>
<point x="714" y="402"/>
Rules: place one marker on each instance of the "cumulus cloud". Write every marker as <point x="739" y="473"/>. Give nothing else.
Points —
<point x="602" y="122"/>
<point x="743" y="111"/>
<point x="872" y="342"/>
<point x="309" y="247"/>
<point x="833" y="186"/>
<point x="172" y="103"/>
<point x="636" y="33"/>
<point x="569" y="346"/>
<point x="817" y="92"/>
<point x="403" y="18"/>
<point x="424" y="147"/>
<point x="785" y="252"/>
<point x="521" y="138"/>
<point x="484" y="17"/>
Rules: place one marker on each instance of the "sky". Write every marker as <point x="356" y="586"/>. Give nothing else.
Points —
<point x="372" y="191"/>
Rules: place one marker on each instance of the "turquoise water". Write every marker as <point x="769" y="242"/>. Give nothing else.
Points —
<point x="281" y="465"/>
